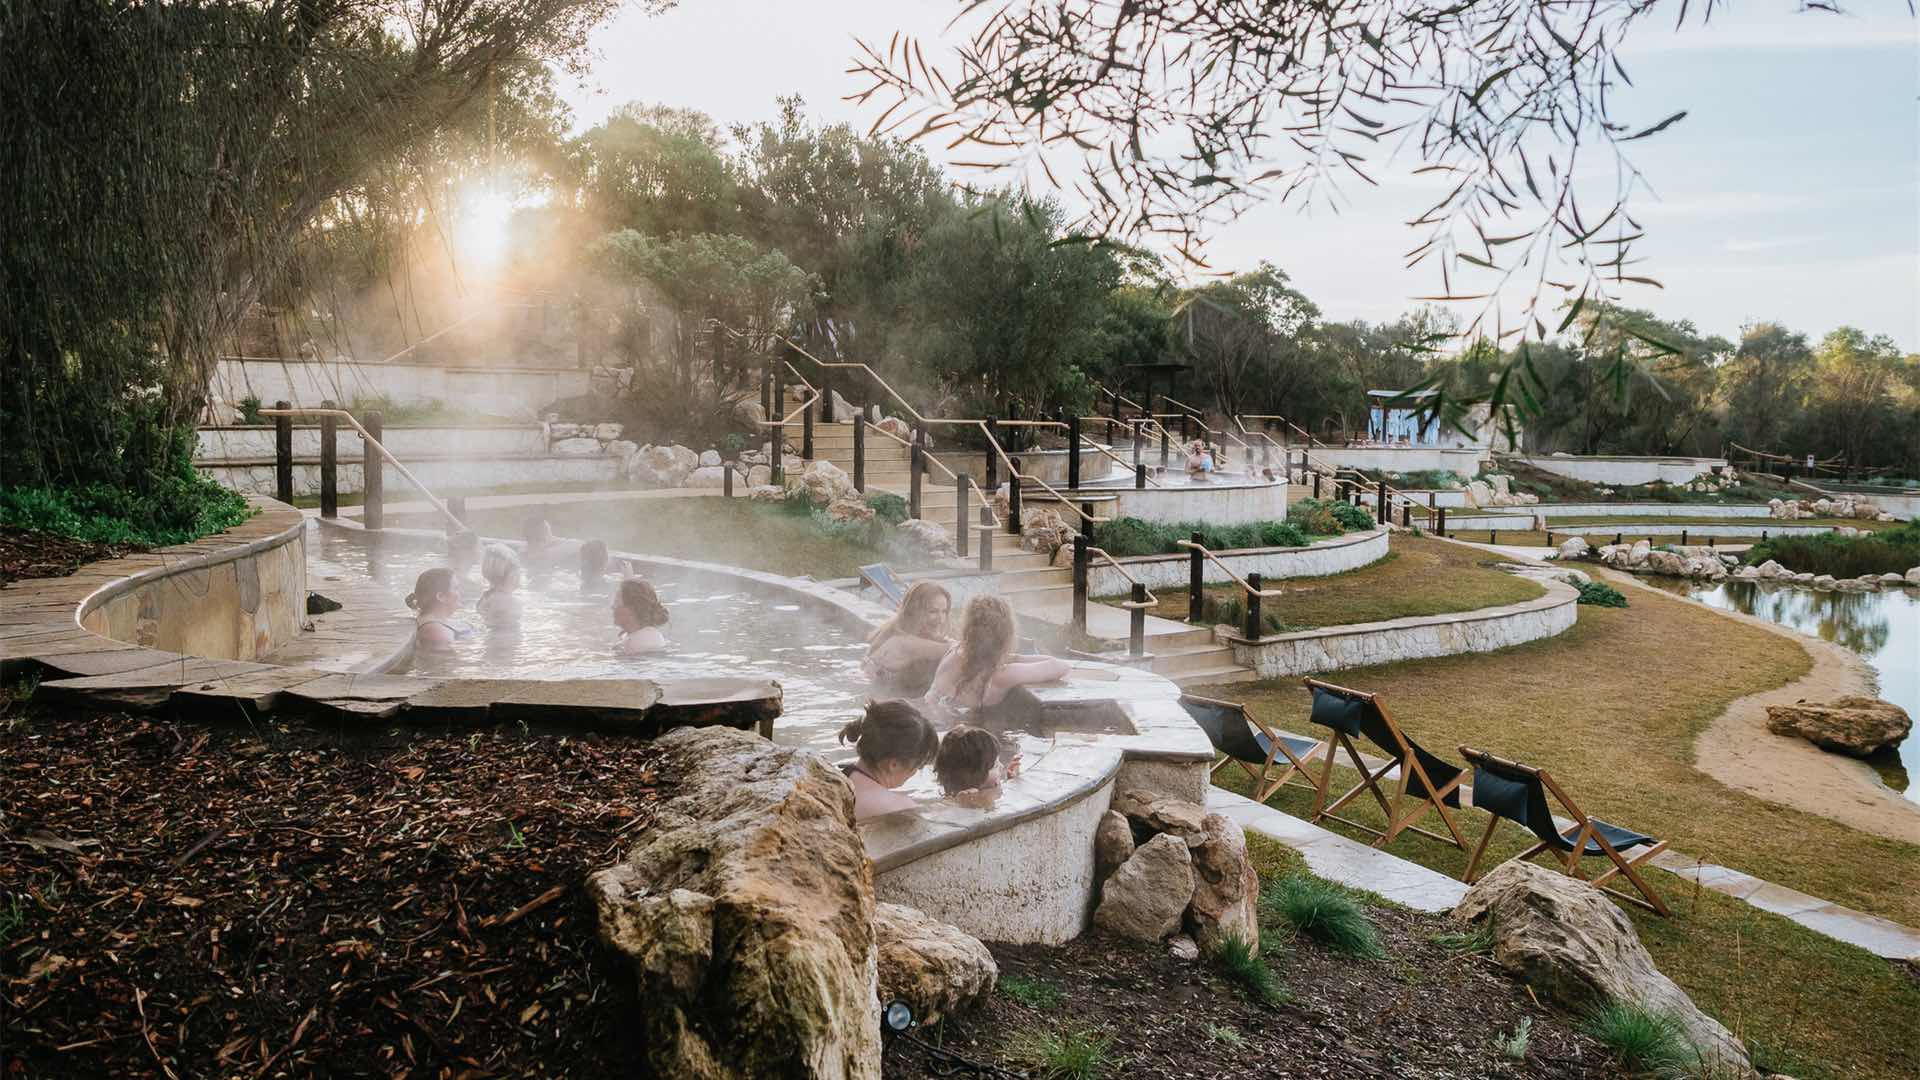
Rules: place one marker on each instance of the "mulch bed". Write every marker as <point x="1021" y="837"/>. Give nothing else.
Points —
<point x="178" y="900"/>
<point x="25" y="555"/>
<point x="1424" y="1011"/>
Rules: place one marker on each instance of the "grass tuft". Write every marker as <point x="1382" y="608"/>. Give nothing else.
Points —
<point x="1033" y="993"/>
<point x="1645" y="1041"/>
<point x="1226" y="1036"/>
<point x="1324" y="912"/>
<point x="1240" y="961"/>
<point x="1068" y="1053"/>
<point x="1514" y="1046"/>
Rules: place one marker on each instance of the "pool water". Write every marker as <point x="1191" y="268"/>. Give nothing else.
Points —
<point x="1883" y="627"/>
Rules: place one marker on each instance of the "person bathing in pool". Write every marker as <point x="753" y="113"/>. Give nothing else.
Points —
<point x="499" y="607"/>
<point x="903" y="655"/>
<point x="594" y="564"/>
<point x="638" y="613"/>
<point x="435" y="599"/>
<point x="983" y="666"/>
<point x="543" y="550"/>
<point x="969" y="761"/>
<point x="892" y="741"/>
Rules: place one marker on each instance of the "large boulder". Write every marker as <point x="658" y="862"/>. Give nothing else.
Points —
<point x="1150" y="813"/>
<point x="823" y="482"/>
<point x="1574" y="548"/>
<point x="1571" y="944"/>
<point x="854" y="509"/>
<point x="583" y="446"/>
<point x="1666" y="562"/>
<point x="1855" y="725"/>
<point x="1112" y="843"/>
<point x="1226" y="888"/>
<point x="1479" y="494"/>
<point x="707" y="476"/>
<point x="746" y="914"/>
<point x="1913" y="576"/>
<point x="1147" y="896"/>
<point x="927" y="538"/>
<point x="938" y="969"/>
<point x="1045" y="531"/>
<point x="661" y="466"/>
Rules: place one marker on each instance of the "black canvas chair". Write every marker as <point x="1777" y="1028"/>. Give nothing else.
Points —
<point x="880" y="576"/>
<point x="1508" y="789"/>
<point x="1426" y="783"/>
<point x="1271" y="758"/>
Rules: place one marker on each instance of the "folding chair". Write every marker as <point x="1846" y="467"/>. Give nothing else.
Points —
<point x="1508" y="789"/>
<point x="880" y="576"/>
<point x="1426" y="783"/>
<point x="1256" y="749"/>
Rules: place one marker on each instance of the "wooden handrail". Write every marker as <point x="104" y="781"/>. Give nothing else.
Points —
<point x="377" y="445"/>
<point x="1237" y="579"/>
<point x="1149" y="602"/>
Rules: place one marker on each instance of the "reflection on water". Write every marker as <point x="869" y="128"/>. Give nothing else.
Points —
<point x="1883" y="627"/>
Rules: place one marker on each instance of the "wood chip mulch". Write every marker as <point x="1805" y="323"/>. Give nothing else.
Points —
<point x="1423" y="1011"/>
<point x="25" y="555"/>
<point x="178" y="900"/>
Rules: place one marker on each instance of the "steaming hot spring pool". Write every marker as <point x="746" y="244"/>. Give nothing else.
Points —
<point x="720" y="624"/>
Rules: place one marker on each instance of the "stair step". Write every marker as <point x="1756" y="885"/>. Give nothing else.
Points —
<point x="1213" y="676"/>
<point x="1171" y="661"/>
<point x="1033" y="591"/>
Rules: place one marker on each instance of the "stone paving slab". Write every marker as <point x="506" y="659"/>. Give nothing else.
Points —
<point x="353" y="696"/>
<point x="241" y="698"/>
<point x="1337" y="858"/>
<point x="143" y="688"/>
<point x="620" y="705"/>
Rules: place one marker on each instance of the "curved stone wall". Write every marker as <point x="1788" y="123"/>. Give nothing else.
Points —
<point x="1623" y="471"/>
<point x="1338" y="555"/>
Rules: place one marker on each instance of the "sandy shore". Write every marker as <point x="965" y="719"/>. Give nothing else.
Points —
<point x="1740" y="752"/>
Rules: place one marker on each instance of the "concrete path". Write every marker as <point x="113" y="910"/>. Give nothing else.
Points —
<point x="1337" y="858"/>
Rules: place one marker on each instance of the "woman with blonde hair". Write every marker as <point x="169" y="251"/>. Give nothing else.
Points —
<point x="983" y="666"/>
<point x="903" y="655"/>
<point x="499" y="607"/>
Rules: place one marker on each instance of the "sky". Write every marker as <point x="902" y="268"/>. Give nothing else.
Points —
<point x="1790" y="192"/>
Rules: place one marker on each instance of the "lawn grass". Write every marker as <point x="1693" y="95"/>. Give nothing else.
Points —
<point x="1612" y="707"/>
<point x="1562" y="524"/>
<point x="737" y="532"/>
<point x="1419" y="576"/>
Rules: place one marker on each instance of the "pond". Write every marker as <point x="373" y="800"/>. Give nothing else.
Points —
<point x="1883" y="627"/>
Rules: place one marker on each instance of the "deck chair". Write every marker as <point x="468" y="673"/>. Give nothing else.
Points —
<point x="1426" y="783"/>
<point x="1271" y="758"/>
<point x="1508" y="789"/>
<point x="880" y="576"/>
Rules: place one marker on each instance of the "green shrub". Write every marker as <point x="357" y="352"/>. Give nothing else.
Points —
<point x="1600" y="594"/>
<point x="1353" y="518"/>
<point x="1316" y="517"/>
<point x="1324" y="912"/>
<point x="1132" y="536"/>
<point x="1240" y="961"/>
<point x="1887" y="551"/>
<point x="250" y="410"/>
<point x="178" y="510"/>
<point x="1643" y="1040"/>
<point x="888" y="507"/>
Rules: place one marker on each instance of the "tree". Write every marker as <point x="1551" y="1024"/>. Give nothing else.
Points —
<point x="1764" y="385"/>
<point x="164" y="161"/>
<point x="1235" y="331"/>
<point x="654" y="169"/>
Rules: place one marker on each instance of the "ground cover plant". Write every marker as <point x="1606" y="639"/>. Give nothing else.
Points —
<point x="1613" y="711"/>
<point x="1415" y="1009"/>
<point x="1600" y="594"/>
<point x="250" y="901"/>
<point x="1132" y="536"/>
<point x="1419" y="576"/>
<point x="178" y="509"/>
<point x="1891" y="550"/>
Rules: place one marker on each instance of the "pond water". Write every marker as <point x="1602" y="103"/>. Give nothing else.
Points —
<point x="1883" y="627"/>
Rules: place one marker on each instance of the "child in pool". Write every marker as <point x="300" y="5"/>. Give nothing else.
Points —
<point x="638" y="613"/>
<point x="436" y="597"/>
<point x="498" y="606"/>
<point x="969" y="760"/>
<point x="983" y="666"/>
<point x="893" y="741"/>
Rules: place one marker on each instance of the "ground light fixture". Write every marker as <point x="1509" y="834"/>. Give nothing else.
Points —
<point x="897" y="1024"/>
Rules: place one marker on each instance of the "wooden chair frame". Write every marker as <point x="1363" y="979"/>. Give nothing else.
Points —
<point x="1264" y="784"/>
<point x="1400" y="815"/>
<point x="1571" y="864"/>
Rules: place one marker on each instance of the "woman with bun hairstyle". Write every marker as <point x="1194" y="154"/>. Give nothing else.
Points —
<point x="638" y="613"/>
<point x="983" y="666"/>
<point x="435" y="598"/>
<point x="892" y="742"/>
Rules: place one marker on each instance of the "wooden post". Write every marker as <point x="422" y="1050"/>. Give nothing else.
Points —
<point x="777" y="445"/>
<point x="1186" y="427"/>
<point x="1196" y="580"/>
<point x="806" y="433"/>
<point x="960" y="511"/>
<point x="1139" y="477"/>
<point x="1549" y="537"/>
<point x="1080" y="583"/>
<point x="1253" y="627"/>
<point x="1316" y="483"/>
<point x="726" y="479"/>
<point x="1163" y="443"/>
<point x="1139" y="441"/>
<point x="1683" y="536"/>
<point x="986" y="539"/>
<point x="1442" y="527"/>
<point x="826" y="395"/>
<point x="916" y="464"/>
<point x="283" y="454"/>
<point x="1381" y="510"/>
<point x="329" y="463"/>
<point x="1137" y="622"/>
<point x="373" y="483"/>
<point x="860" y="452"/>
<point x="993" y="457"/>
<point x="1073" y="453"/>
<point x="1013" y="496"/>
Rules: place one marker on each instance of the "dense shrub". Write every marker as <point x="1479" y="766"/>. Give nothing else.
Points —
<point x="1600" y="594"/>
<point x="1313" y="514"/>
<point x="1132" y="536"/>
<point x="177" y="510"/>
<point x="888" y="507"/>
<point x="1888" y="551"/>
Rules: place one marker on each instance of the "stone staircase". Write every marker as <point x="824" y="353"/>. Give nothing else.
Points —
<point x="1034" y="586"/>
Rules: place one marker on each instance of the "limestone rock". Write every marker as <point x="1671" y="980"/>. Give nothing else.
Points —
<point x="749" y="414"/>
<point x="1823" y="581"/>
<point x="1182" y="947"/>
<point x="661" y="466"/>
<point x="850" y="510"/>
<point x="928" y="538"/>
<point x="1146" y="897"/>
<point x="1891" y="579"/>
<point x="1149" y="813"/>
<point x="761" y="476"/>
<point x="607" y="432"/>
<point x="709" y="457"/>
<point x="1574" y="548"/>
<point x="938" y="969"/>
<point x="1666" y="562"/>
<point x="558" y="431"/>
<point x="1913" y="576"/>
<point x="583" y="446"/>
<point x="823" y="482"/>
<point x="707" y="476"/>
<point x="1570" y="943"/>
<point x="1479" y="494"/>
<point x="1044" y="531"/>
<point x="1112" y="843"/>
<point x="746" y="914"/>
<point x="764" y="492"/>
<point x="1855" y="725"/>
<point x="896" y="426"/>
<point x="1226" y="889"/>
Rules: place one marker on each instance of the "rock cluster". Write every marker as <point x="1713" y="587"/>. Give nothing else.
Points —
<point x="1774" y="572"/>
<point x="1843" y="506"/>
<point x="1045" y="531"/>
<point x="1641" y="557"/>
<point x="1854" y="725"/>
<point x="1571" y="944"/>
<point x="1496" y="489"/>
<point x="1168" y="865"/>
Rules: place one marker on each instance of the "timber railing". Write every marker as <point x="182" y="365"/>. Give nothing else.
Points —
<point x="1251" y="587"/>
<point x="373" y="451"/>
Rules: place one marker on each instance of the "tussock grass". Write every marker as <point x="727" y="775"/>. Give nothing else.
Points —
<point x="1240" y="961"/>
<point x="1065" y="1053"/>
<point x="1644" y="1041"/>
<point x="1324" y="912"/>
